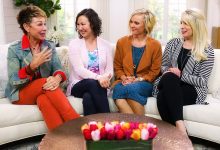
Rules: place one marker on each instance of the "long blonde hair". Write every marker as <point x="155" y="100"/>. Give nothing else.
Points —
<point x="149" y="19"/>
<point x="196" y="20"/>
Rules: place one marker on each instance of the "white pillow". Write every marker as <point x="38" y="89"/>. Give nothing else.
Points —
<point x="214" y="79"/>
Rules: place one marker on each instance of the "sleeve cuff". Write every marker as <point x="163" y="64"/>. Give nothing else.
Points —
<point x="22" y="73"/>
<point x="62" y="75"/>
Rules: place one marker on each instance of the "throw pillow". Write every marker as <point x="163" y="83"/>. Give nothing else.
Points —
<point x="62" y="53"/>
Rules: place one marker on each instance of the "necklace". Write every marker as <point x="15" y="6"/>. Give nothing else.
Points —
<point x="35" y="49"/>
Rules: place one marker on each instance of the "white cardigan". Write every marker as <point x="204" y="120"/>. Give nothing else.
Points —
<point x="78" y="55"/>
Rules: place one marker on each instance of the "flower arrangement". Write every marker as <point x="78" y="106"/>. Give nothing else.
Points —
<point x="119" y="131"/>
<point x="55" y="35"/>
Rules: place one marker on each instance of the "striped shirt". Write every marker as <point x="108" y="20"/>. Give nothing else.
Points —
<point x="195" y="72"/>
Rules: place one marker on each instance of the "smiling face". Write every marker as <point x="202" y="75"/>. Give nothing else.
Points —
<point x="37" y="28"/>
<point x="136" y="25"/>
<point x="186" y="30"/>
<point x="83" y="27"/>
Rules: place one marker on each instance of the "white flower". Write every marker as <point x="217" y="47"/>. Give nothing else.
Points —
<point x="55" y="35"/>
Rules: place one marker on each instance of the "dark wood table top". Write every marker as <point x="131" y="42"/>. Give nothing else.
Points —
<point x="69" y="137"/>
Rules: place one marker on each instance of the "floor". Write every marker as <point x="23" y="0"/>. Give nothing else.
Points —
<point x="32" y="144"/>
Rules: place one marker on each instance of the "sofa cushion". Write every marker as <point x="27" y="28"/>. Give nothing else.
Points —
<point x="208" y="114"/>
<point x="62" y="53"/>
<point x="18" y="114"/>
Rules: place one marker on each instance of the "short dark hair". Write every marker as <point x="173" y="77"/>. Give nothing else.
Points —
<point x="94" y="20"/>
<point x="26" y="15"/>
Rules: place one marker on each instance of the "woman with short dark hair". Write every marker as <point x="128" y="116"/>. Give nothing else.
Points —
<point x="35" y="72"/>
<point x="92" y="64"/>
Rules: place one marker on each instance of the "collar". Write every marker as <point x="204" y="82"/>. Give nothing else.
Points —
<point x="25" y="42"/>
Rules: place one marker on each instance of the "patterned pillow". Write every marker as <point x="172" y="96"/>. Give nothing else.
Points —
<point x="62" y="53"/>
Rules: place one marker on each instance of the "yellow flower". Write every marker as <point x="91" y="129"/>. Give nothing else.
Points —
<point x="136" y="134"/>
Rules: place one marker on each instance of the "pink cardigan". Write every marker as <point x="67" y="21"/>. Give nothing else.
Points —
<point x="78" y="55"/>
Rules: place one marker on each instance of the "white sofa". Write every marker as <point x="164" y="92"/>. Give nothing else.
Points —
<point x="23" y="121"/>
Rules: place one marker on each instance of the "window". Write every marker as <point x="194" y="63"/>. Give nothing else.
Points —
<point x="168" y="14"/>
<point x="66" y="17"/>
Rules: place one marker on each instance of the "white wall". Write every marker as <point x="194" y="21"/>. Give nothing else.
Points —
<point x="119" y="16"/>
<point x="102" y="8"/>
<point x="2" y="27"/>
<point x="210" y="8"/>
<point x="115" y="17"/>
<point x="213" y="15"/>
<point x="12" y="30"/>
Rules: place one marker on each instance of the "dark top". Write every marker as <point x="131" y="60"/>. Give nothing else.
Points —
<point x="183" y="58"/>
<point x="137" y="53"/>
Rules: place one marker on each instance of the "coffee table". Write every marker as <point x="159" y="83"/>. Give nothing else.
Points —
<point x="69" y="137"/>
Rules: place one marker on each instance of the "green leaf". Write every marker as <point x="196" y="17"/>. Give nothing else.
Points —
<point x="46" y="5"/>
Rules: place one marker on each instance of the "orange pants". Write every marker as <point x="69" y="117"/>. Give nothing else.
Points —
<point x="54" y="105"/>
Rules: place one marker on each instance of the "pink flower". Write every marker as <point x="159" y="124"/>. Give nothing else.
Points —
<point x="103" y="133"/>
<point x="152" y="132"/>
<point x="134" y="125"/>
<point x="120" y="134"/>
<point x="87" y="134"/>
<point x="108" y="126"/>
<point x="117" y="127"/>
<point x="128" y="133"/>
<point x="96" y="135"/>
<point x="151" y="125"/>
<point x="119" y="130"/>
<point x="144" y="134"/>
<point x="93" y="125"/>
<point x="111" y="135"/>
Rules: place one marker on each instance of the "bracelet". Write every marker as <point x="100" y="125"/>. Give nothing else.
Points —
<point x="60" y="77"/>
<point x="140" y="79"/>
<point x="29" y="70"/>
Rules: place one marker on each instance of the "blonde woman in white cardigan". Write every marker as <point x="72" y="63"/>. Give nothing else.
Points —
<point x="91" y="64"/>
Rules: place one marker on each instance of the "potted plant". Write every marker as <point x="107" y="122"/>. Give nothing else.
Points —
<point x="48" y="6"/>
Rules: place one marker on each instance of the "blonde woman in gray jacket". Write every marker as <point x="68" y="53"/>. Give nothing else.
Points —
<point x="186" y="66"/>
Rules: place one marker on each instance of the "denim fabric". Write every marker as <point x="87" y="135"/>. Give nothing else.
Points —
<point x="18" y="58"/>
<point x="137" y="91"/>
